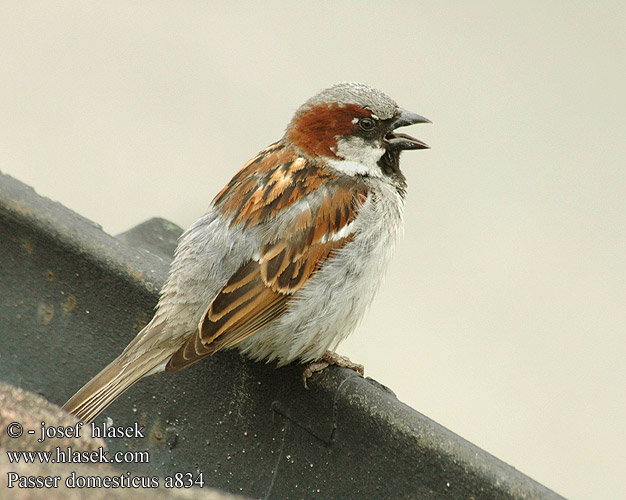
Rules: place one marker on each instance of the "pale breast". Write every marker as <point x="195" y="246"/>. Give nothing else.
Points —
<point x="331" y="304"/>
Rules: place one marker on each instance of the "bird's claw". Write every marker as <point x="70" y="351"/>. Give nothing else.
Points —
<point x="329" y="358"/>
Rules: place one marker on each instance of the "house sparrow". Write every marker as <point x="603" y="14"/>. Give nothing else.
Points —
<point x="290" y="253"/>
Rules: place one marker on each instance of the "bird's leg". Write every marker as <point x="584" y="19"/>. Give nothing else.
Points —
<point x="332" y="358"/>
<point x="329" y="358"/>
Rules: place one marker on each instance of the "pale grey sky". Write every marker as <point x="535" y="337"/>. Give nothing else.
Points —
<point x="503" y="314"/>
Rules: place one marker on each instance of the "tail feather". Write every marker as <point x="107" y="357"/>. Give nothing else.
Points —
<point x="101" y="391"/>
<point x="116" y="377"/>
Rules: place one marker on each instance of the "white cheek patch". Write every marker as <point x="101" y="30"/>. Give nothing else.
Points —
<point x="359" y="157"/>
<point x="354" y="168"/>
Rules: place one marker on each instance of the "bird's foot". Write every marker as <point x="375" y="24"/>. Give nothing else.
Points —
<point x="329" y="358"/>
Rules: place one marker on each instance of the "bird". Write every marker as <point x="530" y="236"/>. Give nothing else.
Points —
<point x="290" y="253"/>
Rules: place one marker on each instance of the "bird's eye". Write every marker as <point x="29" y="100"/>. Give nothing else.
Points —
<point x="366" y="123"/>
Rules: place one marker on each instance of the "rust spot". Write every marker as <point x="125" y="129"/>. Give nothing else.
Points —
<point x="68" y="304"/>
<point x="28" y="246"/>
<point x="45" y="313"/>
<point x="141" y="322"/>
<point x="157" y="434"/>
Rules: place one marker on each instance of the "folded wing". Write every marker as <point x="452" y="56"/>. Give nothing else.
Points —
<point x="261" y="289"/>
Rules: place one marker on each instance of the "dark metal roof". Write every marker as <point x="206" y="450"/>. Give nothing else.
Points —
<point x="72" y="297"/>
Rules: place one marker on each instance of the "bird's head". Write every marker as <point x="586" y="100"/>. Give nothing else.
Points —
<point x="352" y="127"/>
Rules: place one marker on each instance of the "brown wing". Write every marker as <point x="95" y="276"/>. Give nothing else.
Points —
<point x="276" y="178"/>
<point x="260" y="291"/>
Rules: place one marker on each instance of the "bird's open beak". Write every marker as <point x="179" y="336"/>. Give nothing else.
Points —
<point x="399" y="141"/>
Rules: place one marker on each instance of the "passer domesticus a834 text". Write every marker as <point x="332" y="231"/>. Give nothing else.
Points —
<point x="290" y="253"/>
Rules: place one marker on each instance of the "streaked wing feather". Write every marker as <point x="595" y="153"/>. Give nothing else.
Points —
<point x="260" y="290"/>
